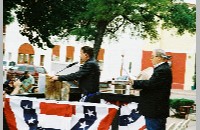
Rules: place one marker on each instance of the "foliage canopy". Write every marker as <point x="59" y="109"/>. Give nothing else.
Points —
<point x="94" y="19"/>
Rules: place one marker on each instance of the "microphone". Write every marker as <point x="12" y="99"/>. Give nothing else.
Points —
<point x="72" y="64"/>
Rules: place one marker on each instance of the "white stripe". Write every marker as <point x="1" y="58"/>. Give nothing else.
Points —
<point x="53" y="121"/>
<point x="89" y="104"/>
<point x="138" y="124"/>
<point x="101" y="113"/>
<point x="126" y="110"/>
<point x="78" y="115"/>
<point x="18" y="113"/>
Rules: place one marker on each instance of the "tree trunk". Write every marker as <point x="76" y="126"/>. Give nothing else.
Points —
<point x="101" y="27"/>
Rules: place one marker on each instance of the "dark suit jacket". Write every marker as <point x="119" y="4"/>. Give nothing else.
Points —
<point x="155" y="93"/>
<point x="88" y="77"/>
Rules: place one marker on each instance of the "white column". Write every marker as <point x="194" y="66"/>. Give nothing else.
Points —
<point x="77" y="53"/>
<point x="62" y="53"/>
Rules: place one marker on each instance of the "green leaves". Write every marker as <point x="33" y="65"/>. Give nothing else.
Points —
<point x="182" y="17"/>
<point x="94" y="19"/>
<point x="8" y="7"/>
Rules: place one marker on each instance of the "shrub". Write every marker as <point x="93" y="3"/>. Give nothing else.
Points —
<point x="176" y="103"/>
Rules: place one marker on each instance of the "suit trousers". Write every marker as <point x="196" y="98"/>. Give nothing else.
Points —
<point x="155" y="123"/>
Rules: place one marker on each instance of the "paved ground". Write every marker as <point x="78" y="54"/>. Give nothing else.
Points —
<point x="187" y="94"/>
<point x="191" y="125"/>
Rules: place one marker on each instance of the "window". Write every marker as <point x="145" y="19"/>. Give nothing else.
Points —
<point x="26" y="58"/>
<point x="101" y="55"/>
<point x="41" y="60"/>
<point x="20" y="58"/>
<point x="4" y="29"/>
<point x="31" y="59"/>
<point x="55" y="53"/>
<point x="69" y="53"/>
<point x="26" y="54"/>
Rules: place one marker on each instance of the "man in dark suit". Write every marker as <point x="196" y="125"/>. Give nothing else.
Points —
<point x="88" y="76"/>
<point x="155" y="92"/>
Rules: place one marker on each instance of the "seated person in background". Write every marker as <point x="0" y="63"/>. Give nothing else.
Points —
<point x="27" y="82"/>
<point x="11" y="86"/>
<point x="34" y="90"/>
<point x="8" y="86"/>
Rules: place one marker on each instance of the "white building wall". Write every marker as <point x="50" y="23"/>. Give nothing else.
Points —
<point x="189" y="71"/>
<point x="13" y="40"/>
<point x="77" y="53"/>
<point x="182" y="44"/>
<point x="62" y="53"/>
<point x="178" y="44"/>
<point x="132" y="51"/>
<point x="131" y="47"/>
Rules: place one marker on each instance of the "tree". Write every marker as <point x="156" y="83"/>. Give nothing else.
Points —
<point x="8" y="7"/>
<point x="95" y="19"/>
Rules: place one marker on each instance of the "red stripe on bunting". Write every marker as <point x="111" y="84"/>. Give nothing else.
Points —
<point x="65" y="110"/>
<point x="143" y="127"/>
<point x="10" y="117"/>
<point x="107" y="121"/>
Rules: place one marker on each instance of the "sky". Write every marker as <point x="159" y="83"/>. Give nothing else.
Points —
<point x="190" y="1"/>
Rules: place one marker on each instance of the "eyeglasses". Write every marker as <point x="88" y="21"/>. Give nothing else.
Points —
<point x="153" y="57"/>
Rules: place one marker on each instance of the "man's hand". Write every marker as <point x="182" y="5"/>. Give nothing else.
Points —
<point x="29" y="87"/>
<point x="53" y="78"/>
<point x="131" y="81"/>
<point x="17" y="83"/>
<point x="25" y="89"/>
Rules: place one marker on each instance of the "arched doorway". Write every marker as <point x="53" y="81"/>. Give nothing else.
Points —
<point x="26" y="54"/>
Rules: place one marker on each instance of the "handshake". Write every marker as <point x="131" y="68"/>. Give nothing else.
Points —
<point x="53" y="78"/>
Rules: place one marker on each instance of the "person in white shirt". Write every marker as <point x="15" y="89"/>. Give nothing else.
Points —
<point x="27" y="82"/>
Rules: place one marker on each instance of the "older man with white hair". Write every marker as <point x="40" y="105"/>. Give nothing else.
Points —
<point x="155" y="92"/>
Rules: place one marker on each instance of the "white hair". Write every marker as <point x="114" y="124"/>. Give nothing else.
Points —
<point x="161" y="53"/>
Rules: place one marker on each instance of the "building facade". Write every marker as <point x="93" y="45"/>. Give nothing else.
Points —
<point x="126" y="56"/>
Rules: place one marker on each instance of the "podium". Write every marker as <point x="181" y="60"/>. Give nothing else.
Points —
<point x="58" y="90"/>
